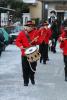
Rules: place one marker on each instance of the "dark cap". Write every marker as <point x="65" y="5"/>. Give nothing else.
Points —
<point x="30" y="23"/>
<point x="45" y="23"/>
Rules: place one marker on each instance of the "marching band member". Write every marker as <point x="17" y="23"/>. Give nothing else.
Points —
<point x="44" y="46"/>
<point x="26" y="39"/>
<point x="63" y="45"/>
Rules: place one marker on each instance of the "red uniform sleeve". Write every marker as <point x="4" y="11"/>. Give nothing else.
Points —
<point x="61" y="45"/>
<point x="50" y="33"/>
<point x="61" y="42"/>
<point x="62" y="35"/>
<point x="36" y="34"/>
<point x="22" y="40"/>
<point x="40" y="36"/>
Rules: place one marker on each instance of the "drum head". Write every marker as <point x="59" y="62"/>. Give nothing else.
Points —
<point x="30" y="50"/>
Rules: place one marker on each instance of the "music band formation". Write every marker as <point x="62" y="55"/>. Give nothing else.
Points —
<point x="30" y="37"/>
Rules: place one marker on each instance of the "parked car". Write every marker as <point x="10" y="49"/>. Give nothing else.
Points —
<point x="14" y="32"/>
<point x="6" y="37"/>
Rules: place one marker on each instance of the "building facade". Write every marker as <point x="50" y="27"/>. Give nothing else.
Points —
<point x="36" y="10"/>
<point x="44" y="9"/>
<point x="59" y="7"/>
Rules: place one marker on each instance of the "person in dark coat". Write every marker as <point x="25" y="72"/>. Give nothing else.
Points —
<point x="55" y="35"/>
<point x="46" y="33"/>
<point x="1" y="42"/>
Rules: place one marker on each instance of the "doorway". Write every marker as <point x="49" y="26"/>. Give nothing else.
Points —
<point x="60" y="17"/>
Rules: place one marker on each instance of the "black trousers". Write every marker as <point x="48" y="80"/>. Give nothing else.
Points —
<point x="27" y="72"/>
<point x="65" y="62"/>
<point x="43" y="49"/>
<point x="0" y="51"/>
<point x="54" y="43"/>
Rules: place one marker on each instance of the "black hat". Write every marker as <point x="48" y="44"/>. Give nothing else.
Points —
<point x="29" y="23"/>
<point x="45" y="23"/>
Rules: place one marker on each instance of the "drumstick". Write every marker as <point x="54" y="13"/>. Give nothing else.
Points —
<point x="23" y="48"/>
<point x="31" y="41"/>
<point x="64" y="39"/>
<point x="34" y="39"/>
<point x="37" y="37"/>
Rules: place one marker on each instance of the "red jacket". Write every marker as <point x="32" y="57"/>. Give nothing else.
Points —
<point x="63" y="44"/>
<point x="22" y="40"/>
<point x="47" y="35"/>
<point x="40" y="34"/>
<point x="35" y="34"/>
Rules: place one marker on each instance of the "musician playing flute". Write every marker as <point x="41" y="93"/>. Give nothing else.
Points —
<point x="63" y="45"/>
<point x="27" y="38"/>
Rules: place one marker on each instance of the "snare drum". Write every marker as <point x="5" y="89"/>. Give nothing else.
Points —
<point x="32" y="54"/>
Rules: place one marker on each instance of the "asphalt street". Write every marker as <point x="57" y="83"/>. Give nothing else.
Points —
<point x="49" y="78"/>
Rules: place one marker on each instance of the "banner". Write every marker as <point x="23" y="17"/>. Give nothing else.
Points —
<point x="29" y="1"/>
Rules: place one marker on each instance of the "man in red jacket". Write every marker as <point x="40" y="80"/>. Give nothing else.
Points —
<point x="23" y="41"/>
<point x="63" y="46"/>
<point x="44" y="46"/>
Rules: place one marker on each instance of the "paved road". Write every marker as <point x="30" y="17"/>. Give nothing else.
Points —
<point x="50" y="84"/>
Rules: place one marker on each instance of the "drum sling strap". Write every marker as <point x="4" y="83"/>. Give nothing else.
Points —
<point x="28" y="37"/>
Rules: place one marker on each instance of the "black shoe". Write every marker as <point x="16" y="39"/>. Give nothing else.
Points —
<point x="33" y="82"/>
<point x="47" y="59"/>
<point x="65" y="78"/>
<point x="44" y="62"/>
<point x="25" y="84"/>
<point x="54" y="51"/>
<point x="40" y="60"/>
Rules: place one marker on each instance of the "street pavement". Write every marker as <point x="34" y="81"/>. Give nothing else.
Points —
<point x="49" y="78"/>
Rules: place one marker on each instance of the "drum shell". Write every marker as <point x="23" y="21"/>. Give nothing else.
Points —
<point x="33" y="56"/>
